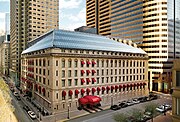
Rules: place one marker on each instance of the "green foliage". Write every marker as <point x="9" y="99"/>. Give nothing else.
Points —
<point x="120" y="117"/>
<point x="137" y="114"/>
<point x="151" y="107"/>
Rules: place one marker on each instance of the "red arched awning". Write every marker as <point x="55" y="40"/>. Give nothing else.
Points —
<point x="88" y="90"/>
<point x="93" y="79"/>
<point x="82" y="71"/>
<point x="131" y="85"/>
<point x="98" y="89"/>
<point x="138" y="84"/>
<point x="88" y="80"/>
<point x="103" y="88"/>
<point x="141" y="84"/>
<point x="70" y="93"/>
<point x="135" y="84"/>
<point x="93" y="62"/>
<point x="124" y="86"/>
<point x="144" y="83"/>
<point x="82" y="81"/>
<point x="39" y="87"/>
<point x="107" y="88"/>
<point x="43" y="89"/>
<point x="88" y="62"/>
<point x="63" y="93"/>
<point x="128" y="85"/>
<point x="116" y="87"/>
<point x="112" y="87"/>
<point x="82" y="62"/>
<point x="120" y="86"/>
<point x="82" y="91"/>
<point x="93" y="71"/>
<point x="83" y="101"/>
<point x="88" y="71"/>
<point x="93" y="90"/>
<point x="76" y="92"/>
<point x="92" y="99"/>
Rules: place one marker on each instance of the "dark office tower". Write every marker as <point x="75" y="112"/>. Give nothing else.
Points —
<point x="149" y="24"/>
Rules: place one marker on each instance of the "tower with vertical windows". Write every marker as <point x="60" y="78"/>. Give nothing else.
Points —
<point x="29" y="19"/>
<point x="149" y="24"/>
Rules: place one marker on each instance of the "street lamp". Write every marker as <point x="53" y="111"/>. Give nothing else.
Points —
<point x="68" y="112"/>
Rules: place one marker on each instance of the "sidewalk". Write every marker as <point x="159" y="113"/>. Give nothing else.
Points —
<point x="162" y="118"/>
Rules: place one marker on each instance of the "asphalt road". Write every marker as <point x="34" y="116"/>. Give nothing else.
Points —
<point x="107" y="115"/>
<point x="19" y="112"/>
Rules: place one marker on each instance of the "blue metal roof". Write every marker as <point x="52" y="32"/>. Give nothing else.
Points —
<point x="78" y="40"/>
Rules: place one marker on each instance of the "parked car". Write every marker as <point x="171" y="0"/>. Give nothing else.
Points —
<point x="143" y="99"/>
<point x="147" y="116"/>
<point x="115" y="107"/>
<point x="168" y="107"/>
<point x="16" y="94"/>
<point x="130" y="102"/>
<point x="135" y="101"/>
<point x="26" y="108"/>
<point x="153" y="97"/>
<point x="161" y="108"/>
<point x="32" y="114"/>
<point x="123" y="104"/>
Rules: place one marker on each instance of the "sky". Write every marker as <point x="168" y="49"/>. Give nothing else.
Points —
<point x="72" y="13"/>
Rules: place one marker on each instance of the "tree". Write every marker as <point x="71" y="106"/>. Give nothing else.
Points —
<point x="120" y="117"/>
<point x="151" y="107"/>
<point x="136" y="114"/>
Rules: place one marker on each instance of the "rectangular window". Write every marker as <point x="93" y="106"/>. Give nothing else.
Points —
<point x="63" y="73"/>
<point x="56" y="72"/>
<point x="69" y="82"/>
<point x="56" y="82"/>
<point x="97" y="63"/>
<point x="97" y="80"/>
<point x="111" y="79"/>
<point x="69" y="63"/>
<point x="76" y="82"/>
<point x="97" y="72"/>
<point x="107" y="79"/>
<point x="63" y="63"/>
<point x="44" y="80"/>
<point x="178" y="106"/>
<point x="57" y="95"/>
<point x="63" y="83"/>
<point x="69" y="73"/>
<point x="177" y="78"/>
<point x="102" y="80"/>
<point x="107" y="72"/>
<point x="75" y="73"/>
<point x="56" y="62"/>
<point x="102" y="72"/>
<point x="76" y="64"/>
<point x="44" y="72"/>
<point x="102" y="63"/>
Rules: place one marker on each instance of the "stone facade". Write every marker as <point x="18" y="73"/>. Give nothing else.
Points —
<point x="58" y="77"/>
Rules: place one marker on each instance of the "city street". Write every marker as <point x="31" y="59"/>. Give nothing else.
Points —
<point x="106" y="116"/>
<point x="21" y="114"/>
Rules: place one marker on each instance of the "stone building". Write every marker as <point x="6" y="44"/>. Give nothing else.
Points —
<point x="176" y="91"/>
<point x="64" y="66"/>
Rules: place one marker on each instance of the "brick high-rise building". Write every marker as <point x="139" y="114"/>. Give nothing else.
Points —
<point x="148" y="23"/>
<point x="29" y="19"/>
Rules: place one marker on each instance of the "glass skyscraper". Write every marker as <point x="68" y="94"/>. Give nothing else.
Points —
<point x="148" y="23"/>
